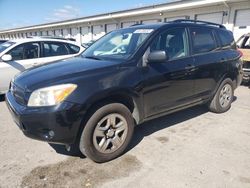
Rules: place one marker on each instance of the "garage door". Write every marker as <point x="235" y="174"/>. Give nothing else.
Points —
<point x="216" y="17"/>
<point x="86" y="34"/>
<point x="58" y="32"/>
<point x="175" y="18"/>
<point x="51" y="33"/>
<point x="242" y="23"/>
<point x="84" y="30"/>
<point x="74" y="32"/>
<point x="127" y="24"/>
<point x="111" y="27"/>
<point x="44" y="33"/>
<point x="149" y="21"/>
<point x="66" y="32"/>
<point x="98" y="32"/>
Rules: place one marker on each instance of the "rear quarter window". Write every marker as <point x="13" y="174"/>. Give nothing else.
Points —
<point x="203" y="40"/>
<point x="226" y="38"/>
<point x="73" y="49"/>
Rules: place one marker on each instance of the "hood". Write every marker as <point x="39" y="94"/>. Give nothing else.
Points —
<point x="59" y="71"/>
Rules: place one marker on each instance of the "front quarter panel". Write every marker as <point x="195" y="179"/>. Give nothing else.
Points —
<point x="97" y="85"/>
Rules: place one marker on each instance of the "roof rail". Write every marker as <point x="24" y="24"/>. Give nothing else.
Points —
<point x="51" y="37"/>
<point x="136" y="24"/>
<point x="199" y="22"/>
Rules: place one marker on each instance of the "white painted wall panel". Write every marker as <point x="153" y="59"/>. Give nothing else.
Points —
<point x="127" y="24"/>
<point x="175" y="18"/>
<point x="216" y="17"/>
<point x="98" y="31"/>
<point x="111" y="27"/>
<point x="242" y="23"/>
<point x="149" y="21"/>
<point x="58" y="32"/>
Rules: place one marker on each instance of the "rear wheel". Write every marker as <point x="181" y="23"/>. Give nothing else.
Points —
<point x="107" y="133"/>
<point x="223" y="98"/>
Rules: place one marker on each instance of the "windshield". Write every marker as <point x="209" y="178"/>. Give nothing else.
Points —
<point x="5" y="45"/>
<point x="119" y="44"/>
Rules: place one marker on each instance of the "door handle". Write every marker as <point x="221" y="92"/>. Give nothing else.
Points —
<point x="189" y="67"/>
<point x="222" y="60"/>
<point x="35" y="64"/>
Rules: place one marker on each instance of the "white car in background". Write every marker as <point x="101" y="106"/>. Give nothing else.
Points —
<point x="20" y="54"/>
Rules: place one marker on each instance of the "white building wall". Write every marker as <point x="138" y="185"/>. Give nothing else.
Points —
<point x="84" y="32"/>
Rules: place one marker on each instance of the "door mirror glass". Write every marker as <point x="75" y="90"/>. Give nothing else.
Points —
<point x="7" y="57"/>
<point x="157" y="57"/>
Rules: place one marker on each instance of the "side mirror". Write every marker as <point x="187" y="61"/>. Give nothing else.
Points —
<point x="7" y="57"/>
<point x="157" y="57"/>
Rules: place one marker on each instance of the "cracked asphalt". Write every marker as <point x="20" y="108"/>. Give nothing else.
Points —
<point x="192" y="148"/>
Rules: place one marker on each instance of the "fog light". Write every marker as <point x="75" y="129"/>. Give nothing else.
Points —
<point x="51" y="133"/>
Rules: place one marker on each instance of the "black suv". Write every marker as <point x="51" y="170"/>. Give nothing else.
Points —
<point x="125" y="78"/>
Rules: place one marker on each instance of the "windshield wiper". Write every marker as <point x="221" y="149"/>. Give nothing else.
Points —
<point x="93" y="57"/>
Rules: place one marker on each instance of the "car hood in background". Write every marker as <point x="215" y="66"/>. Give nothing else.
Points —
<point x="246" y="54"/>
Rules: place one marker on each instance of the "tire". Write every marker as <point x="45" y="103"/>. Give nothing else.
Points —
<point x="107" y="133"/>
<point x="224" y="93"/>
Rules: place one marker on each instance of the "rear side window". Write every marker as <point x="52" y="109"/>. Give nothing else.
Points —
<point x="203" y="40"/>
<point x="54" y="49"/>
<point x="226" y="38"/>
<point x="73" y="49"/>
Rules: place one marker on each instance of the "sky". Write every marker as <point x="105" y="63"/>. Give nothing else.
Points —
<point x="20" y="13"/>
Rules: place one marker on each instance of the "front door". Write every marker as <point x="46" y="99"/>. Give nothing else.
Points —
<point x="169" y="84"/>
<point x="23" y="56"/>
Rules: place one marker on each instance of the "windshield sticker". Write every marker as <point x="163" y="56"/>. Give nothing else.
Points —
<point x="143" y="31"/>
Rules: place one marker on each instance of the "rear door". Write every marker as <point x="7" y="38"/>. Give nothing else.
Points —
<point x="169" y="84"/>
<point x="54" y="51"/>
<point x="210" y="60"/>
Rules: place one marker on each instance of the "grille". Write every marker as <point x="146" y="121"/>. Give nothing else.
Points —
<point x="18" y="93"/>
<point x="246" y="65"/>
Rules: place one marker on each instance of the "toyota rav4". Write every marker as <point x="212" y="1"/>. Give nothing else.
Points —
<point x="127" y="77"/>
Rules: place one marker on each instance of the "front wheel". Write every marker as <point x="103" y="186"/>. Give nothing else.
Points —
<point x="223" y="98"/>
<point x="107" y="133"/>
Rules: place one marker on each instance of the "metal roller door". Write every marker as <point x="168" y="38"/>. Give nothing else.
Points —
<point x="86" y="34"/>
<point x="66" y="32"/>
<point x="149" y="21"/>
<point x="44" y="33"/>
<point x="216" y="17"/>
<point x="242" y="23"/>
<point x="74" y="32"/>
<point x="51" y="33"/>
<point x="98" y="32"/>
<point x="127" y="24"/>
<point x="58" y="32"/>
<point x="111" y="27"/>
<point x="175" y="18"/>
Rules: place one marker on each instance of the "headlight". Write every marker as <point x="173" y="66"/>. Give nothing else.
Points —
<point x="51" y="96"/>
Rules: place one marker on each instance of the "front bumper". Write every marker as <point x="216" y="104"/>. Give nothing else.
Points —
<point x="58" y="124"/>
<point x="246" y="74"/>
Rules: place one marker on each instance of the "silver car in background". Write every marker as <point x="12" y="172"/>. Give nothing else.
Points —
<point x="20" y="54"/>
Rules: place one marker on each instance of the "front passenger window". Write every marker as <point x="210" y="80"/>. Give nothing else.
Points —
<point x="173" y="42"/>
<point x="25" y="51"/>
